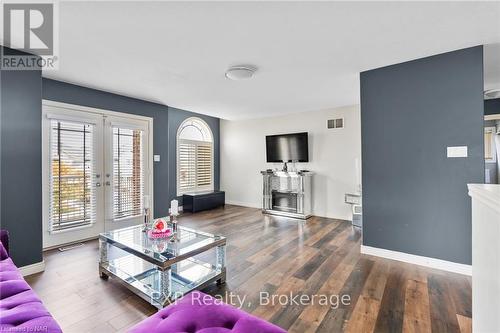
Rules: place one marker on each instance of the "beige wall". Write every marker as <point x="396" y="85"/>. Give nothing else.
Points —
<point x="332" y="155"/>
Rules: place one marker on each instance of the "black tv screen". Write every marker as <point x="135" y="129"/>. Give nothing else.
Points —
<point x="287" y="148"/>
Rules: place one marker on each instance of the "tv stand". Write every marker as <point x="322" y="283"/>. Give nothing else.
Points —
<point x="287" y="193"/>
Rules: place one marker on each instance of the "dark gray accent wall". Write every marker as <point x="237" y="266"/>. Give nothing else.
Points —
<point x="73" y="94"/>
<point x="492" y="106"/>
<point x="166" y="123"/>
<point x="21" y="163"/>
<point x="176" y="117"/>
<point x="21" y="94"/>
<point x="414" y="197"/>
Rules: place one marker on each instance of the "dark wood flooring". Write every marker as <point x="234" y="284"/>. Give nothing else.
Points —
<point x="279" y="256"/>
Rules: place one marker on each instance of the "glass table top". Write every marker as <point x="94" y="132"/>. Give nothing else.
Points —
<point x="186" y="243"/>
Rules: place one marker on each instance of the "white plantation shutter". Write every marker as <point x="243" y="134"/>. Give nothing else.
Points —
<point x="128" y="172"/>
<point x="194" y="157"/>
<point x="72" y="166"/>
<point x="187" y="166"/>
<point x="204" y="164"/>
<point x="195" y="166"/>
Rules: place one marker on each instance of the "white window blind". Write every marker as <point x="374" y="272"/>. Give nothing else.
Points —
<point x="72" y="189"/>
<point x="128" y="172"/>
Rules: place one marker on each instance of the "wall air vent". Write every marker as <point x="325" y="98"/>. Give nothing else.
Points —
<point x="335" y="123"/>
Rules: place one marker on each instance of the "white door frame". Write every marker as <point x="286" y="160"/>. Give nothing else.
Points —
<point x="65" y="110"/>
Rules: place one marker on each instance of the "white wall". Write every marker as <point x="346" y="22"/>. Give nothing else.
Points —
<point x="332" y="155"/>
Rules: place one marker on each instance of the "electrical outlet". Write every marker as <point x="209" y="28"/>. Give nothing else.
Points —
<point x="458" y="151"/>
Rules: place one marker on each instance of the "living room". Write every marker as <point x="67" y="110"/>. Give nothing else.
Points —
<point x="249" y="166"/>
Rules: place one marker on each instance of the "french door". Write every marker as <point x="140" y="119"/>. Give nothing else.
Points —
<point x="96" y="172"/>
<point x="126" y="183"/>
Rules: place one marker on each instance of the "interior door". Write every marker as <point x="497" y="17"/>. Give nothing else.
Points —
<point x="73" y="195"/>
<point x="127" y="171"/>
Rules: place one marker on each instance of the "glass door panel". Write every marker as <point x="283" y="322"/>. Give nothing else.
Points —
<point x="127" y="175"/>
<point x="72" y="168"/>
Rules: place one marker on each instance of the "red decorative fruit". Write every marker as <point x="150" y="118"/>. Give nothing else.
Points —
<point x="159" y="225"/>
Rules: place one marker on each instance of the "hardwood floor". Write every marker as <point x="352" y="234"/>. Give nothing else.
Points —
<point x="279" y="256"/>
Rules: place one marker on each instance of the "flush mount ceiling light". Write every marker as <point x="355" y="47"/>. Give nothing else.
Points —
<point x="240" y="72"/>
<point x="492" y="93"/>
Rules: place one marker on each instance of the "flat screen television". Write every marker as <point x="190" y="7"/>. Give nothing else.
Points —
<point x="291" y="147"/>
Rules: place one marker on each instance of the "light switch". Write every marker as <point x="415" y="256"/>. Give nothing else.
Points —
<point x="156" y="158"/>
<point x="458" y="151"/>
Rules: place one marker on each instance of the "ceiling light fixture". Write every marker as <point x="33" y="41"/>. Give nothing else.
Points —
<point x="492" y="93"/>
<point x="240" y="72"/>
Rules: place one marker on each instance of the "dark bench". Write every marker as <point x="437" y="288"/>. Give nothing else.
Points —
<point x="196" y="202"/>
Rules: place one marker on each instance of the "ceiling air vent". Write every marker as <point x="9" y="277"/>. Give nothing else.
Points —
<point x="335" y="123"/>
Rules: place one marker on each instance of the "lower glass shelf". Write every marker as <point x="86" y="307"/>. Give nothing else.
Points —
<point x="144" y="277"/>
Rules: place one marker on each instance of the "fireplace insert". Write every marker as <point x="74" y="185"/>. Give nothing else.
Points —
<point x="284" y="201"/>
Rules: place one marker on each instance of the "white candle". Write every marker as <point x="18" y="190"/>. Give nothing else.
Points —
<point x="146" y="201"/>
<point x="174" y="207"/>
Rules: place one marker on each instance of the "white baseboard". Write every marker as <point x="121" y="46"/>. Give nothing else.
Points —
<point x="33" y="268"/>
<point x="418" y="260"/>
<point x="254" y="205"/>
<point x="244" y="204"/>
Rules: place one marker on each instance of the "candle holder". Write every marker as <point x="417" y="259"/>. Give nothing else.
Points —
<point x="173" y="224"/>
<point x="147" y="213"/>
<point x="147" y="218"/>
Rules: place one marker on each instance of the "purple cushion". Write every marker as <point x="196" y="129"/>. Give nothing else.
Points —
<point x="192" y="314"/>
<point x="21" y="309"/>
<point x="4" y="240"/>
<point x="3" y="252"/>
<point x="9" y="266"/>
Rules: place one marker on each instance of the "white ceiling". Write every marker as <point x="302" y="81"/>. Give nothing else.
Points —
<point x="309" y="55"/>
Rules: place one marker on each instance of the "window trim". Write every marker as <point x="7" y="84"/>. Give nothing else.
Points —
<point x="211" y="187"/>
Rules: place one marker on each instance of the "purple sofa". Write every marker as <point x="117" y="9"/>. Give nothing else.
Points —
<point x="20" y="308"/>
<point x="201" y="313"/>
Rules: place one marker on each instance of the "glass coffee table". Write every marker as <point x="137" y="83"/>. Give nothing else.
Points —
<point x="162" y="270"/>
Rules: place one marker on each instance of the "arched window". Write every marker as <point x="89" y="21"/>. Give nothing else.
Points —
<point x="195" y="157"/>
